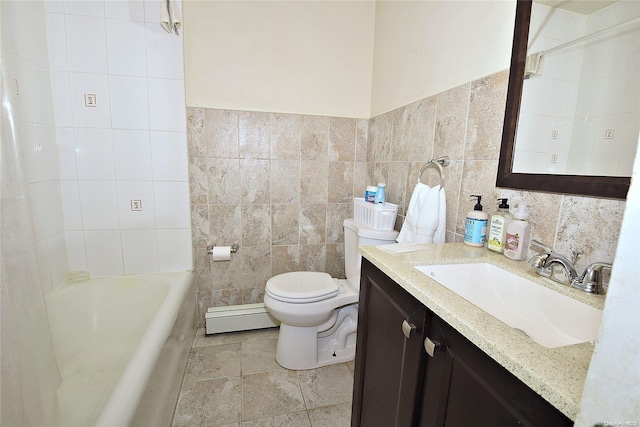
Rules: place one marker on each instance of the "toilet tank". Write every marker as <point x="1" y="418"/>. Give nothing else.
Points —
<point x="358" y="234"/>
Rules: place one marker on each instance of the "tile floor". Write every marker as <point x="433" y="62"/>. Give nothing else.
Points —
<point x="233" y="380"/>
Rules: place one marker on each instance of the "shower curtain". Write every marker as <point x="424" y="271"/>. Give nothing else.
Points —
<point x="29" y="375"/>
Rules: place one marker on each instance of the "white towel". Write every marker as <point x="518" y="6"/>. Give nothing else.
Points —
<point x="426" y="216"/>
<point x="170" y="16"/>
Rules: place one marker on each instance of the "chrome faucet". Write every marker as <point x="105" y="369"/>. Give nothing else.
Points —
<point x="590" y="281"/>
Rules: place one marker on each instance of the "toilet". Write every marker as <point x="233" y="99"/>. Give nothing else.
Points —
<point x="318" y="314"/>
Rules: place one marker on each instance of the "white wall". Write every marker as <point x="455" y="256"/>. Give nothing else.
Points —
<point x="37" y="134"/>
<point x="306" y="57"/>
<point x="131" y="146"/>
<point x="426" y="47"/>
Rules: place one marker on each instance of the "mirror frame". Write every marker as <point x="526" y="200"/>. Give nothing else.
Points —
<point x="598" y="186"/>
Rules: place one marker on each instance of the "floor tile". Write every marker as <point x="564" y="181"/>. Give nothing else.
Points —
<point x="328" y="385"/>
<point x="331" y="416"/>
<point x="293" y="419"/>
<point x="209" y="403"/>
<point x="259" y="356"/>
<point x="271" y="393"/>
<point x="203" y="340"/>
<point x="218" y="361"/>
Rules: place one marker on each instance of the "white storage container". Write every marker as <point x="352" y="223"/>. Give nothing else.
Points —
<point x="376" y="215"/>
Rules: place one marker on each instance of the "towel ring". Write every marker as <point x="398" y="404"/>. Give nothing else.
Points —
<point x="440" y="162"/>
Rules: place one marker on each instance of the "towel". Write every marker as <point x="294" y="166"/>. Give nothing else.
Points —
<point x="170" y="16"/>
<point x="426" y="217"/>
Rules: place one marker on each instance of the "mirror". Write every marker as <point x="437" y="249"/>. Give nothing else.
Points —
<point x="537" y="151"/>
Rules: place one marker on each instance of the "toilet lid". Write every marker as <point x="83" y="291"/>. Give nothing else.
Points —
<point x="301" y="287"/>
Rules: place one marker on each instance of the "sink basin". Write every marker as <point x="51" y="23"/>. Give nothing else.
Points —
<point x="547" y="317"/>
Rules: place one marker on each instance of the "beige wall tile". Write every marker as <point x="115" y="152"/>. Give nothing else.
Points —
<point x="285" y="224"/>
<point x="198" y="180"/>
<point x="255" y="178"/>
<point x="342" y="139"/>
<point x="196" y="143"/>
<point x="315" y="138"/>
<point x="221" y="133"/>
<point x="340" y="185"/>
<point x="313" y="222"/>
<point x="486" y="114"/>
<point x="285" y="136"/>
<point x="451" y="120"/>
<point x="256" y="225"/>
<point x="253" y="135"/>
<point x="223" y="177"/>
<point x="285" y="178"/>
<point x="314" y="176"/>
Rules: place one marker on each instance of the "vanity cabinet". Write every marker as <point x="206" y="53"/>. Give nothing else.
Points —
<point x="397" y="383"/>
<point x="389" y="354"/>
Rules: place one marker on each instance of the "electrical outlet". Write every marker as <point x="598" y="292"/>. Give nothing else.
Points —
<point x="136" y="205"/>
<point x="554" y="158"/>
<point x="608" y="134"/>
<point x="90" y="100"/>
<point x="554" y="134"/>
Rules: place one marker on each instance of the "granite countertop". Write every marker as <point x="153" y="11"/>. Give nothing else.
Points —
<point x="557" y="374"/>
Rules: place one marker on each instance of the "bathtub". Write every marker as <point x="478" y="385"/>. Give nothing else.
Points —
<point x="122" y="345"/>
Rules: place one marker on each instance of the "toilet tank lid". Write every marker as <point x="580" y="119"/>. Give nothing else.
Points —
<point x="364" y="230"/>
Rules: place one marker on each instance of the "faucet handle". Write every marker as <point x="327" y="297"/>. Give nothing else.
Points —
<point x="592" y="279"/>
<point x="575" y="256"/>
<point x="538" y="244"/>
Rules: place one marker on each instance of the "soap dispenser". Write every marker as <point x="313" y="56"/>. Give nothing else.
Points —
<point x="498" y="226"/>
<point x="475" y="227"/>
<point x="518" y="234"/>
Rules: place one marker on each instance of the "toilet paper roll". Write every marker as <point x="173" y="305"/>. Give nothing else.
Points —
<point x="221" y="253"/>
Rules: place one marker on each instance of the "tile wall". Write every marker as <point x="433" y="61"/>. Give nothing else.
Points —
<point x="131" y="145"/>
<point x="465" y="123"/>
<point x="280" y="185"/>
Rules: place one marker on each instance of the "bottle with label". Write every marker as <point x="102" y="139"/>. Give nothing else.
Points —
<point x="475" y="227"/>
<point x="518" y="234"/>
<point x="498" y="223"/>
<point x="380" y="193"/>
<point x="370" y="193"/>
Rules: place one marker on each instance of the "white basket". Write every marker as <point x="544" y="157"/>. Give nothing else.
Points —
<point x="375" y="215"/>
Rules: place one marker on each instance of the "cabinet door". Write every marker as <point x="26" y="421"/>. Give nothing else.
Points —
<point x="463" y="387"/>
<point x="388" y="363"/>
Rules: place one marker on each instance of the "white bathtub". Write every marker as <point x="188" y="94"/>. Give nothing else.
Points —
<point x="122" y="345"/>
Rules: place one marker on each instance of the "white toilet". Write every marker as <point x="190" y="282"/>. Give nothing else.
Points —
<point x="319" y="314"/>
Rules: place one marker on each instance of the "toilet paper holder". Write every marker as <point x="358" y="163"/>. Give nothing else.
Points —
<point x="234" y="248"/>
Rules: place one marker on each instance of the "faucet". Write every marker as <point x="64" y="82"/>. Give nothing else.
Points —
<point x="590" y="281"/>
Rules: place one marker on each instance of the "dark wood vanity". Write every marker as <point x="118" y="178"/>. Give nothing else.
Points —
<point x="397" y="383"/>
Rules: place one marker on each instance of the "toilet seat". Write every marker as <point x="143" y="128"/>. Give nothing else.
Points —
<point x="301" y="287"/>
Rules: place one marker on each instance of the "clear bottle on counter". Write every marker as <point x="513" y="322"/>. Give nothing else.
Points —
<point x="380" y="193"/>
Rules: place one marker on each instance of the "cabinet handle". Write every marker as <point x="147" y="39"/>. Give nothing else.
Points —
<point x="431" y="346"/>
<point x="408" y="328"/>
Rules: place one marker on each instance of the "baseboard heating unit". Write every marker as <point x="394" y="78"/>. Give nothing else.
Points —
<point x="238" y="318"/>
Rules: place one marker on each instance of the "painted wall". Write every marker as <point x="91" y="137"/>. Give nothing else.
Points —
<point x="130" y="146"/>
<point x="422" y="47"/>
<point x="309" y="57"/>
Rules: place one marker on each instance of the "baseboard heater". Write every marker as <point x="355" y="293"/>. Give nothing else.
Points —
<point x="238" y="318"/>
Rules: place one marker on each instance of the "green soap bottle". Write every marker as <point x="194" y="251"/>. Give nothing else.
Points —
<point x="498" y="227"/>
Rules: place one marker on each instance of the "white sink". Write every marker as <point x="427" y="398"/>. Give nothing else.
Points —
<point x="547" y="317"/>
